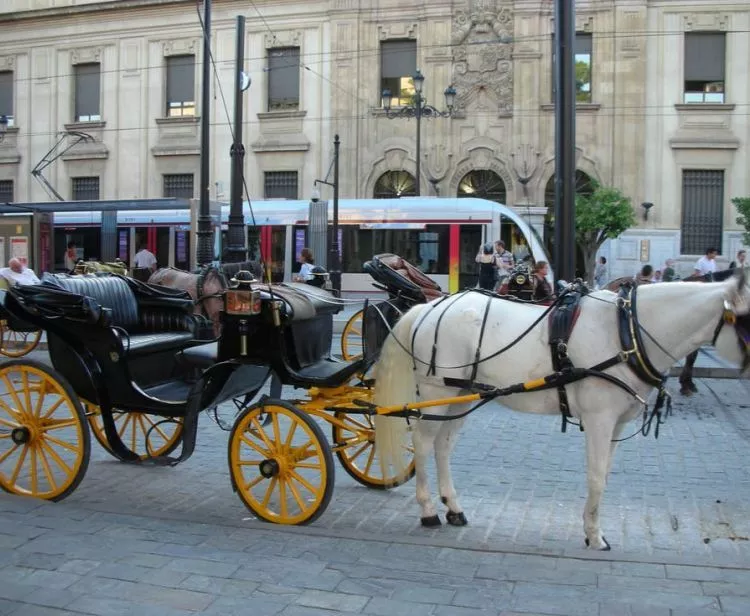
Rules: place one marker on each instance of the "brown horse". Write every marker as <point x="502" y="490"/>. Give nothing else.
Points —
<point x="206" y="288"/>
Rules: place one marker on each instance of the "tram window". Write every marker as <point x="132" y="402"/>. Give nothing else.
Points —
<point x="253" y="243"/>
<point x="162" y="247"/>
<point x="182" y="249"/>
<point x="425" y="248"/>
<point x="470" y="239"/>
<point x="123" y="244"/>
<point x="278" y="246"/>
<point x="88" y="242"/>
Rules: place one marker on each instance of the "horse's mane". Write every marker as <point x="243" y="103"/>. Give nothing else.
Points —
<point x="720" y="276"/>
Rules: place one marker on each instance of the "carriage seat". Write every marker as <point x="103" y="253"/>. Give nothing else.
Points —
<point x="148" y="330"/>
<point x="302" y="301"/>
<point x="427" y="285"/>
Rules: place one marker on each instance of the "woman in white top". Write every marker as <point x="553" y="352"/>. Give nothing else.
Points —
<point x="305" y="271"/>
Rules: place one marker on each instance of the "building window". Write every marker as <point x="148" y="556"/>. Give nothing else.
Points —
<point x="6" y="191"/>
<point x="398" y="63"/>
<point x="283" y="78"/>
<point x="395" y="184"/>
<point x="87" y="91"/>
<point x="86" y="189"/>
<point x="280" y="185"/>
<point x="179" y="185"/>
<point x="180" y="86"/>
<point x="482" y="184"/>
<point x="704" y="67"/>
<point x="581" y="65"/>
<point x="6" y="96"/>
<point x="702" y="210"/>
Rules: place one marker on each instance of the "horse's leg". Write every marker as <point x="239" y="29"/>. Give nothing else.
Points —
<point x="600" y="429"/>
<point x="423" y="439"/>
<point x="444" y="444"/>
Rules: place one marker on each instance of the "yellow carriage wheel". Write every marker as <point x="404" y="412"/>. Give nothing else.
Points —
<point x="352" y="346"/>
<point x="147" y="436"/>
<point x="354" y="443"/>
<point x="44" y="440"/>
<point x="283" y="470"/>
<point x="17" y="344"/>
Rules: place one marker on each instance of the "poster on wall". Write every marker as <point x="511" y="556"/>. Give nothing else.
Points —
<point x="19" y="248"/>
<point x="2" y="252"/>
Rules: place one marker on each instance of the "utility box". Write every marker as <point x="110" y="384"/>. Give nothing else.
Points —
<point x="317" y="232"/>
<point x="214" y="211"/>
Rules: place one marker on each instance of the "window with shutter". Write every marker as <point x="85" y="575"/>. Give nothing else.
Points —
<point x="704" y="67"/>
<point x="85" y="189"/>
<point x="283" y="78"/>
<point x="6" y="96"/>
<point x="280" y="185"/>
<point x="6" y="191"/>
<point x="179" y="185"/>
<point x="180" y="86"/>
<point x="702" y="210"/>
<point x="398" y="63"/>
<point x="582" y="61"/>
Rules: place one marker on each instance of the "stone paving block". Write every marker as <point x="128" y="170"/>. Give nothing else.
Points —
<point x="423" y="594"/>
<point x="609" y="582"/>
<point x="735" y="606"/>
<point x="554" y="599"/>
<point x="279" y="592"/>
<point x="37" y="610"/>
<point x="79" y="567"/>
<point x="332" y="600"/>
<point x="374" y="587"/>
<point x="49" y="562"/>
<point x="726" y="589"/>
<point x="9" y="542"/>
<point x="50" y="579"/>
<point x="219" y="586"/>
<point x="202" y="567"/>
<point x="613" y="608"/>
<point x="34" y="595"/>
<point x="637" y="570"/>
<point x="495" y="597"/>
<point x="154" y="561"/>
<point x="6" y="607"/>
<point x="382" y="606"/>
<point x="244" y="606"/>
<point x="304" y="610"/>
<point x="102" y="606"/>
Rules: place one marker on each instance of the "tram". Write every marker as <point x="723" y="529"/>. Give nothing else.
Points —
<point x="441" y="236"/>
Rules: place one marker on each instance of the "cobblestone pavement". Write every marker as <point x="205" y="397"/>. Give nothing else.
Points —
<point x="173" y="541"/>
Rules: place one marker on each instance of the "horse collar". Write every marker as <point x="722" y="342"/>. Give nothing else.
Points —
<point x="631" y="341"/>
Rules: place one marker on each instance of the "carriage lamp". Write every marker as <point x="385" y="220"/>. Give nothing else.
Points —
<point x="243" y="302"/>
<point x="646" y="205"/>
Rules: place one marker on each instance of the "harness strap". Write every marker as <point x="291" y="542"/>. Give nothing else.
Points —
<point x="433" y="358"/>
<point x="478" y="354"/>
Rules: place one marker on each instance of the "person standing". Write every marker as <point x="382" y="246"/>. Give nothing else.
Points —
<point x="71" y="257"/>
<point x="486" y="260"/>
<point x="668" y="273"/>
<point x="145" y="259"/>
<point x="739" y="261"/>
<point x="542" y="288"/>
<point x="305" y="270"/>
<point x="503" y="262"/>
<point x="705" y="266"/>
<point x="600" y="273"/>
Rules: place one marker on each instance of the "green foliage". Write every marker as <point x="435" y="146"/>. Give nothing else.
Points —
<point x="743" y="216"/>
<point x="603" y="214"/>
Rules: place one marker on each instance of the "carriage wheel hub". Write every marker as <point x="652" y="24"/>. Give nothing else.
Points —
<point x="20" y="436"/>
<point x="269" y="468"/>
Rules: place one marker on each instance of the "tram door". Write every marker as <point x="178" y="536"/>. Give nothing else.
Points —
<point x="156" y="240"/>
<point x="273" y="241"/>
<point x="470" y="240"/>
<point x="182" y="248"/>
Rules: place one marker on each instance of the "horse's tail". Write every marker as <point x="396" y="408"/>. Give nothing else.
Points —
<point x="395" y="385"/>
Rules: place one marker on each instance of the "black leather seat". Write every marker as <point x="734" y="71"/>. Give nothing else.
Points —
<point x="201" y="356"/>
<point x="143" y="331"/>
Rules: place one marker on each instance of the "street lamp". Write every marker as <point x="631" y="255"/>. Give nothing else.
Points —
<point x="3" y="127"/>
<point x="417" y="109"/>
<point x="334" y="262"/>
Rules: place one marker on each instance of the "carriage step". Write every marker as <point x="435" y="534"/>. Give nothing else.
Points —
<point x="171" y="391"/>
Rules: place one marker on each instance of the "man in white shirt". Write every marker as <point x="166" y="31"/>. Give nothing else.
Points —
<point x="707" y="263"/>
<point x="145" y="259"/>
<point x="18" y="273"/>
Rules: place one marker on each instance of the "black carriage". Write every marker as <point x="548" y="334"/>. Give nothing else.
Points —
<point x="131" y="361"/>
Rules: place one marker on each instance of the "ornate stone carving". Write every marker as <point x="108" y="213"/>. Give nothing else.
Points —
<point x="285" y="38"/>
<point x="399" y="30"/>
<point x="695" y="22"/>
<point x="482" y="42"/>
<point x="85" y="55"/>
<point x="437" y="162"/>
<point x="180" y="47"/>
<point x="7" y="63"/>
<point x="525" y="162"/>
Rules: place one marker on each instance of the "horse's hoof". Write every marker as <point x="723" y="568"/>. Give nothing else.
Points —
<point x="431" y="521"/>
<point x="606" y="547"/>
<point x="456" y="519"/>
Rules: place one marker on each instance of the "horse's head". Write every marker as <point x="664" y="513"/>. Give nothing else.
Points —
<point x="211" y="296"/>
<point x="732" y="334"/>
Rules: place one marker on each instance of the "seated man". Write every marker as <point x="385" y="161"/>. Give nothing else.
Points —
<point x="18" y="273"/>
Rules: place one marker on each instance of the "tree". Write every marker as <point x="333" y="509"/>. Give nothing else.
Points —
<point x="602" y="215"/>
<point x="743" y="210"/>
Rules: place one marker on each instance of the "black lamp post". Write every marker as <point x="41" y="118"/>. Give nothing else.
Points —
<point x="334" y="262"/>
<point x="417" y="109"/>
<point x="3" y="126"/>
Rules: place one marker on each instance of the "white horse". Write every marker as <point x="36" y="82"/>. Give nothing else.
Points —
<point x="679" y="316"/>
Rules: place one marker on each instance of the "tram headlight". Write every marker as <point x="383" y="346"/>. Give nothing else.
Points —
<point x="243" y="302"/>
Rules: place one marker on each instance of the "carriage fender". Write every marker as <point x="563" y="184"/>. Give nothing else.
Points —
<point x="225" y="381"/>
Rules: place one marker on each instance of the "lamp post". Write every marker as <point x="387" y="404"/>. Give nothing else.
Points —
<point x="417" y="109"/>
<point x="3" y="127"/>
<point x="334" y="261"/>
<point x="205" y="247"/>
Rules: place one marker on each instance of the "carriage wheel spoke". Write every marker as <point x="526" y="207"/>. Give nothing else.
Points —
<point x="255" y="446"/>
<point x="302" y="480"/>
<point x="42" y="394"/>
<point x="354" y="422"/>
<point x="27" y="393"/>
<point x="63" y="444"/>
<point x="276" y="430"/>
<point x="14" y="395"/>
<point x="19" y="464"/>
<point x="56" y="458"/>
<point x="134" y="432"/>
<point x="269" y="491"/>
<point x="282" y="498"/>
<point x="359" y="451"/>
<point x="290" y="435"/>
<point x="56" y="424"/>
<point x="262" y="433"/>
<point x="53" y="408"/>
<point x="370" y="460"/>
<point x="47" y="470"/>
<point x="156" y="428"/>
<point x="18" y="414"/>
<point x="295" y="494"/>
<point x="309" y="465"/>
<point x="5" y="422"/>
<point x="8" y="453"/>
<point x="253" y="482"/>
<point x="34" y="476"/>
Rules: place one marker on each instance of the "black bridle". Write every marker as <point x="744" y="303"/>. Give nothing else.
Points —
<point x="741" y="329"/>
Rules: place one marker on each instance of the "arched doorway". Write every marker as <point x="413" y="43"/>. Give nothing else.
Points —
<point x="395" y="184"/>
<point x="483" y="184"/>
<point x="584" y="186"/>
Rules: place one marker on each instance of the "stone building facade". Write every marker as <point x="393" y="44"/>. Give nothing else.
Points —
<point x="127" y="73"/>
